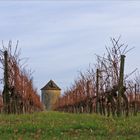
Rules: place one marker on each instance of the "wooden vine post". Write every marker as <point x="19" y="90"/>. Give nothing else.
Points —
<point x="135" y="102"/>
<point x="6" y="96"/>
<point x="97" y="90"/>
<point x="121" y="86"/>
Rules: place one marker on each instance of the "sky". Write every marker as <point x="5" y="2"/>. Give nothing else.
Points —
<point x="61" y="38"/>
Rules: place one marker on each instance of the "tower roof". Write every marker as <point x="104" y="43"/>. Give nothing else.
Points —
<point x="50" y="86"/>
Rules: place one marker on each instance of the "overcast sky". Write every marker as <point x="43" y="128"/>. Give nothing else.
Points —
<point x="60" y="38"/>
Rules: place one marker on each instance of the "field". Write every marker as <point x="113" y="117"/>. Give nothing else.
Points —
<point x="64" y="126"/>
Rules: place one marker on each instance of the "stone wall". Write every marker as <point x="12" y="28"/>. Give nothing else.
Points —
<point x="49" y="98"/>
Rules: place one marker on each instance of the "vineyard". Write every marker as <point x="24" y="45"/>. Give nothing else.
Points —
<point x="104" y="88"/>
<point x="19" y="94"/>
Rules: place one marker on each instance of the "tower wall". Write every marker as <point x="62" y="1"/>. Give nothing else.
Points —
<point x="49" y="98"/>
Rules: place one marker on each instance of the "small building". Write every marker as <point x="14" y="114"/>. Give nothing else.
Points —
<point x="50" y="93"/>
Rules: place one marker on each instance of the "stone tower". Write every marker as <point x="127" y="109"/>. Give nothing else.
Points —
<point x="50" y="93"/>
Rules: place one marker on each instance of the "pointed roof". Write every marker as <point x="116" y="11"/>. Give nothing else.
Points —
<point x="50" y="86"/>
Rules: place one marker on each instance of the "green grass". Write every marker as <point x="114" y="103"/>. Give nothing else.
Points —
<point x="64" y="126"/>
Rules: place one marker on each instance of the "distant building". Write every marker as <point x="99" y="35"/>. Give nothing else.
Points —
<point x="50" y="93"/>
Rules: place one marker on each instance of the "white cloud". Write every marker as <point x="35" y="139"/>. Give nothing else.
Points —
<point x="61" y="38"/>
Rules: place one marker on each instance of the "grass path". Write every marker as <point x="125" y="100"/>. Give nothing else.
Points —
<point x="64" y="126"/>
